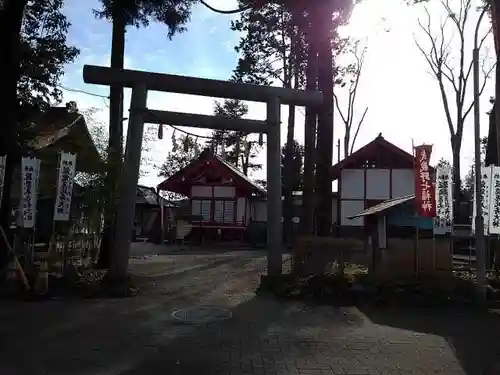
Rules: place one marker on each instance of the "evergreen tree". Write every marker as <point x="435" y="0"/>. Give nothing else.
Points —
<point x="272" y="50"/>
<point x="123" y="13"/>
<point x="297" y="157"/>
<point x="33" y="53"/>
<point x="236" y="147"/>
<point x="185" y="149"/>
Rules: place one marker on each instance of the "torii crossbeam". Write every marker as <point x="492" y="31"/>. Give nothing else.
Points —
<point x="141" y="82"/>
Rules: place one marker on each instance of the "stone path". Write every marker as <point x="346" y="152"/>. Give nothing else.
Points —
<point x="137" y="336"/>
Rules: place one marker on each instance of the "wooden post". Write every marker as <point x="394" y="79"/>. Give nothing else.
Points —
<point x="204" y="121"/>
<point x="325" y="133"/>
<point x="128" y="185"/>
<point x="274" y="204"/>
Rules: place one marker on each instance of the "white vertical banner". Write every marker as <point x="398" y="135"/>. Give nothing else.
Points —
<point x="485" y="194"/>
<point x="443" y="221"/>
<point x="3" y="163"/>
<point x="30" y="170"/>
<point x="37" y="187"/>
<point x="495" y="201"/>
<point x="67" y="169"/>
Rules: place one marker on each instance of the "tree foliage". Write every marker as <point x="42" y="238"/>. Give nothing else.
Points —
<point x="273" y="49"/>
<point x="184" y="150"/>
<point x="350" y="80"/>
<point x="267" y="53"/>
<point x="44" y="55"/>
<point x="468" y="183"/>
<point x="173" y="13"/>
<point x="33" y="52"/>
<point x="297" y="158"/>
<point x="237" y="147"/>
<point x="93" y="184"/>
<point x="92" y="192"/>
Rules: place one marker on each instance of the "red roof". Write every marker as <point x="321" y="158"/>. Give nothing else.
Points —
<point x="182" y="181"/>
<point x="380" y="149"/>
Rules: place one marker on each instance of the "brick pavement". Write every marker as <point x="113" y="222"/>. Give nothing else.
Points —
<point x="136" y="336"/>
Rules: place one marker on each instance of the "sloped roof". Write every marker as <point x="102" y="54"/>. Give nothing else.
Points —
<point x="240" y="174"/>
<point x="207" y="155"/>
<point x="61" y="130"/>
<point x="385" y="205"/>
<point x="148" y="195"/>
<point x="379" y="144"/>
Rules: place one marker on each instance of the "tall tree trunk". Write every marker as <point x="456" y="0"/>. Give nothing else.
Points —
<point x="288" y="177"/>
<point x="245" y="158"/>
<point x="495" y="118"/>
<point x="457" y="182"/>
<point x="115" y="143"/>
<point x="496" y="108"/>
<point x="308" y="201"/>
<point x="491" y="146"/>
<point x="11" y="17"/>
<point x="325" y="127"/>
<point x="288" y="73"/>
<point x="346" y="146"/>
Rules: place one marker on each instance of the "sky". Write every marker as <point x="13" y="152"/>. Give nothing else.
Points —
<point x="402" y="97"/>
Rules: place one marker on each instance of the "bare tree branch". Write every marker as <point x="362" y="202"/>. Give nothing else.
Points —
<point x="360" y="59"/>
<point x="487" y="73"/>
<point x="436" y="57"/>
<point x="347" y="114"/>
<point x="448" y="59"/>
<point x="357" y="130"/>
<point x="344" y="120"/>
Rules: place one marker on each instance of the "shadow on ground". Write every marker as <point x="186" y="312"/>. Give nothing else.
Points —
<point x="138" y="336"/>
<point x="473" y="335"/>
<point x="262" y="337"/>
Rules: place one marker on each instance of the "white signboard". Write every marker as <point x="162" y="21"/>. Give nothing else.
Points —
<point x="3" y="162"/>
<point x="494" y="207"/>
<point x="30" y="169"/>
<point x="444" y="201"/>
<point x="485" y="194"/>
<point x="67" y="168"/>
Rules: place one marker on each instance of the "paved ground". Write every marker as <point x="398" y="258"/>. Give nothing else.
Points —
<point x="137" y="336"/>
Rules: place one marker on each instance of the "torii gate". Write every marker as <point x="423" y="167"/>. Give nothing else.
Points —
<point x="141" y="82"/>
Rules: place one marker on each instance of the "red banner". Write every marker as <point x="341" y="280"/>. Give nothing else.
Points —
<point x="424" y="189"/>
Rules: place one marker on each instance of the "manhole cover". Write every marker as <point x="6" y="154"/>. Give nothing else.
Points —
<point x="201" y="314"/>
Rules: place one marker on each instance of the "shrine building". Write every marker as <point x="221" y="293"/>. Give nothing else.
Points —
<point x="377" y="180"/>
<point x="225" y="200"/>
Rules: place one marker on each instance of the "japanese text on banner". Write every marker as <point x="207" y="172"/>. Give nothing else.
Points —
<point x="485" y="189"/>
<point x="30" y="170"/>
<point x="444" y="199"/>
<point x="424" y="189"/>
<point x="494" y="206"/>
<point x="67" y="167"/>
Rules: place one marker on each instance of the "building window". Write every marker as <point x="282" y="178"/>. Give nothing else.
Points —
<point x="224" y="211"/>
<point x="203" y="208"/>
